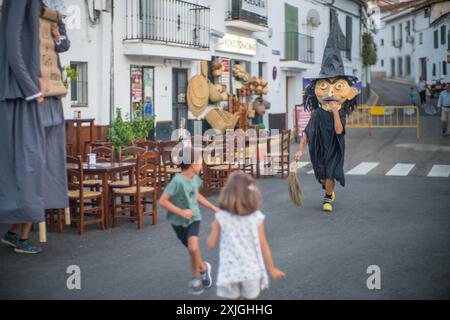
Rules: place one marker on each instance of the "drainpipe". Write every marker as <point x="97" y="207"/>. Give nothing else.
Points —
<point x="111" y="72"/>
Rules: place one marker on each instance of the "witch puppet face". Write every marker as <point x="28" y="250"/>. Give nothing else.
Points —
<point x="334" y="89"/>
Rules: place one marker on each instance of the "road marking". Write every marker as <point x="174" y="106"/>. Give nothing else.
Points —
<point x="363" y="168"/>
<point x="401" y="169"/>
<point x="439" y="171"/>
<point x="311" y="172"/>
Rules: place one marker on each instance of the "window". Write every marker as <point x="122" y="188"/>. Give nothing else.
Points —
<point x="436" y="39"/>
<point x="400" y="66"/>
<point x="421" y="38"/>
<point x="443" y="34"/>
<point x="382" y="62"/>
<point x="448" y="40"/>
<point x="434" y="70"/>
<point x="408" y="28"/>
<point x="348" y="37"/>
<point x="392" y="67"/>
<point x="79" y="87"/>
<point x="393" y="35"/>
<point x="444" y="68"/>
<point x="408" y="65"/>
<point x="401" y="34"/>
<point x="382" y="42"/>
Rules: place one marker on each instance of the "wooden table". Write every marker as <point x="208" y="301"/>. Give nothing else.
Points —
<point x="78" y="124"/>
<point x="105" y="170"/>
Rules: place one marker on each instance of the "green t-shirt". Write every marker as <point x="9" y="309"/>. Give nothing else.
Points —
<point x="183" y="194"/>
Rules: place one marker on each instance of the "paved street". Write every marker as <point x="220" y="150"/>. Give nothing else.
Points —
<point x="400" y="223"/>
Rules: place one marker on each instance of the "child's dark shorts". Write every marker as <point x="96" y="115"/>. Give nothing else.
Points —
<point x="184" y="233"/>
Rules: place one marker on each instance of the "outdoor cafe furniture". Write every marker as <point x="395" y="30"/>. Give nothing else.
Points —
<point x="74" y="127"/>
<point x="104" y="171"/>
<point x="145" y="178"/>
<point x="78" y="197"/>
<point x="280" y="154"/>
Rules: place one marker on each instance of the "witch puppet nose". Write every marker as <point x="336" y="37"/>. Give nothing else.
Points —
<point x="331" y="92"/>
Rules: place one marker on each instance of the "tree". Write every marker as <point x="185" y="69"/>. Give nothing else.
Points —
<point x="369" y="50"/>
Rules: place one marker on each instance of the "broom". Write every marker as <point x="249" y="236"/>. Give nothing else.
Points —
<point x="295" y="190"/>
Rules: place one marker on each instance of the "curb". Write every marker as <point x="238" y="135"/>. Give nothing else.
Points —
<point x="373" y="99"/>
<point x="408" y="83"/>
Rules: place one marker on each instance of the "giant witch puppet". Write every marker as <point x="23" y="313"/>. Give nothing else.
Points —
<point x="32" y="130"/>
<point x="330" y="97"/>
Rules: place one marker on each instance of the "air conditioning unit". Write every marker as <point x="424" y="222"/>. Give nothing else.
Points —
<point x="397" y="43"/>
<point x="410" y="39"/>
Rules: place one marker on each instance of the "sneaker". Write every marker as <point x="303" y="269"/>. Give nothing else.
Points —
<point x="206" y="276"/>
<point x="26" y="247"/>
<point x="327" y="207"/>
<point x="196" y="286"/>
<point x="10" y="240"/>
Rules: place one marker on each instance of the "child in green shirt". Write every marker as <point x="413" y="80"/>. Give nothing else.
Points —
<point x="181" y="199"/>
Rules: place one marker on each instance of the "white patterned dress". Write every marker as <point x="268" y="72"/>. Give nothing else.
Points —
<point x="240" y="256"/>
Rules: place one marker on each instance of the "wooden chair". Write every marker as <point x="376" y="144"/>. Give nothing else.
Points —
<point x="168" y="168"/>
<point x="145" y="184"/>
<point x="282" y="154"/>
<point x="50" y="219"/>
<point x="78" y="197"/>
<point x="147" y="144"/>
<point x="216" y="175"/>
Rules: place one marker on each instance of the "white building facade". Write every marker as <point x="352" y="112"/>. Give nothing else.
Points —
<point x="130" y="50"/>
<point x="415" y="42"/>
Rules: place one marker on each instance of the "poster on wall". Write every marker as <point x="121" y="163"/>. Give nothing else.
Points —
<point x="136" y="85"/>
<point x="225" y="78"/>
<point x="302" y="119"/>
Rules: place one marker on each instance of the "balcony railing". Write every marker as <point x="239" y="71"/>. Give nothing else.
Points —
<point x="298" y="47"/>
<point x="236" y="12"/>
<point x="168" y="21"/>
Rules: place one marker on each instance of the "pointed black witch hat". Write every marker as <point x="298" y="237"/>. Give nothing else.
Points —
<point x="332" y="64"/>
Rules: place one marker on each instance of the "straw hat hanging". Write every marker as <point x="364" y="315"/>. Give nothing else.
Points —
<point x="198" y="95"/>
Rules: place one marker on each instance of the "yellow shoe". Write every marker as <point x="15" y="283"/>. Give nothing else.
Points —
<point x="327" y="207"/>
<point x="333" y="196"/>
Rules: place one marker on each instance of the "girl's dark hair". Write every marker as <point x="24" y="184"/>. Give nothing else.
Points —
<point x="311" y="102"/>
<point x="190" y="156"/>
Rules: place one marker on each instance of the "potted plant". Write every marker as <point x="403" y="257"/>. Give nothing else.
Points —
<point x="124" y="131"/>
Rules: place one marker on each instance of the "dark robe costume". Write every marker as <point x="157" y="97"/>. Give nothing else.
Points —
<point x="326" y="147"/>
<point x="32" y="137"/>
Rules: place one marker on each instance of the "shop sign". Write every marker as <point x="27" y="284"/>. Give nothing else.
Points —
<point x="258" y="7"/>
<point x="237" y="44"/>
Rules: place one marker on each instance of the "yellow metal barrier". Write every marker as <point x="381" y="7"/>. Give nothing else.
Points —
<point x="385" y="117"/>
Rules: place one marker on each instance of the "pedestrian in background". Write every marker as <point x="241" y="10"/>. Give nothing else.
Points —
<point x="422" y="89"/>
<point x="244" y="250"/>
<point x="444" y="106"/>
<point x="413" y="96"/>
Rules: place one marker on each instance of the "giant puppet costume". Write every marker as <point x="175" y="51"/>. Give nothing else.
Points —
<point x="32" y="136"/>
<point x="331" y="90"/>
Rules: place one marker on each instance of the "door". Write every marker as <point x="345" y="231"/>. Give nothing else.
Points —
<point x="179" y="89"/>
<point x="291" y="40"/>
<point x="393" y="68"/>
<point x="423" y="67"/>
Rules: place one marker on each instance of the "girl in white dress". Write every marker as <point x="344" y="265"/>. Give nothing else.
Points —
<point x="244" y="250"/>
